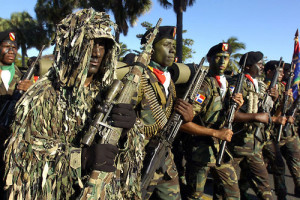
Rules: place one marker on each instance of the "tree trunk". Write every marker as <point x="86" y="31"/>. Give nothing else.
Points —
<point x="117" y="36"/>
<point x="179" y="35"/>
<point x="23" y="49"/>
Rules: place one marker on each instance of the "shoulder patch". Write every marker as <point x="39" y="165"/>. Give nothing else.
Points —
<point x="200" y="98"/>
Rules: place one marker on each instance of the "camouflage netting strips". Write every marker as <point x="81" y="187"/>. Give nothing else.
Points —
<point x="43" y="155"/>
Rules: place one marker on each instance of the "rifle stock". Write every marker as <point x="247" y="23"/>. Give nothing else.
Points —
<point x="232" y="109"/>
<point x="154" y="158"/>
<point x="7" y="111"/>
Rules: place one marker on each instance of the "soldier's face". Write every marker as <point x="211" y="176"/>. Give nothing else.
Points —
<point x="164" y="52"/>
<point x="98" y="53"/>
<point x="270" y="73"/>
<point x="219" y="62"/>
<point x="281" y="74"/>
<point x="286" y="73"/>
<point x="8" y="52"/>
<point x="257" y="69"/>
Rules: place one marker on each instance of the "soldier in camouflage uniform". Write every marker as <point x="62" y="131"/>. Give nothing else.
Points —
<point x="210" y="107"/>
<point x="246" y="149"/>
<point x="44" y="156"/>
<point x="271" y="151"/>
<point x="10" y="77"/>
<point x="158" y="91"/>
<point x="10" y="74"/>
<point x="289" y="143"/>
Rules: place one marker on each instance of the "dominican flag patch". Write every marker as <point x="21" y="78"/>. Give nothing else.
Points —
<point x="200" y="98"/>
<point x="231" y="89"/>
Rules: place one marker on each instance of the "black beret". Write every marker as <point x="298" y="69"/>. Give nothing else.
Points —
<point x="219" y="48"/>
<point x="168" y="32"/>
<point x="271" y="65"/>
<point x="287" y="66"/>
<point x="8" y="35"/>
<point x="253" y="57"/>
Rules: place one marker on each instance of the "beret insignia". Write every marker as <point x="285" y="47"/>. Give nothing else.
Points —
<point x="224" y="46"/>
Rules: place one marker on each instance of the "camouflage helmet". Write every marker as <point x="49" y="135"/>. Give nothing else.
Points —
<point x="74" y="42"/>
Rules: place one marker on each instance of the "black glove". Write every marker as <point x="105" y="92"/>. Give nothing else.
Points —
<point x="123" y="116"/>
<point x="99" y="157"/>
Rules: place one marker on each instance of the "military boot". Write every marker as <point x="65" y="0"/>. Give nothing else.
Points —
<point x="281" y="194"/>
<point x="245" y="196"/>
<point x="281" y="197"/>
<point x="297" y="191"/>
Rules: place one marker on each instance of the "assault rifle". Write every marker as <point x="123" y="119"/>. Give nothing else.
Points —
<point x="232" y="110"/>
<point x="158" y="146"/>
<point x="267" y="104"/>
<point x="286" y="100"/>
<point x="120" y="92"/>
<point x="8" y="109"/>
<point x="292" y="112"/>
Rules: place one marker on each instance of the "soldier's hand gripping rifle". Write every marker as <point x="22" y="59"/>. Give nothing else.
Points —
<point x="231" y="111"/>
<point x="128" y="87"/>
<point x="8" y="110"/>
<point x="267" y="105"/>
<point x="292" y="112"/>
<point x="154" y="159"/>
<point x="286" y="100"/>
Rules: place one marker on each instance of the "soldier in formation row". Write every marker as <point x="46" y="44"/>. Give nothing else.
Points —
<point x="44" y="153"/>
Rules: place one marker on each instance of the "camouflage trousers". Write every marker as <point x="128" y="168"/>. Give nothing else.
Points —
<point x="253" y="171"/>
<point x="165" y="185"/>
<point x="225" y="181"/>
<point x="273" y="156"/>
<point x="290" y="149"/>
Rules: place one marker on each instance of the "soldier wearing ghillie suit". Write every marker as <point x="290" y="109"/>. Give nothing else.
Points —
<point x="156" y="99"/>
<point x="210" y="107"/>
<point x="10" y="77"/>
<point x="245" y="147"/>
<point x="44" y="157"/>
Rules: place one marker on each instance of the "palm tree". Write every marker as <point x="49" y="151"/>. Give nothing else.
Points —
<point x="29" y="32"/>
<point x="124" y="11"/>
<point x="124" y="50"/>
<point x="179" y="6"/>
<point x="235" y="57"/>
<point x="51" y="12"/>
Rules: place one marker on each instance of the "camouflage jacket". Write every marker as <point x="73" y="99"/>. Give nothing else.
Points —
<point x="274" y="128"/>
<point x="144" y="105"/>
<point x="210" y="111"/>
<point x="6" y="94"/>
<point x="149" y="124"/>
<point x="278" y="106"/>
<point x="243" y="141"/>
